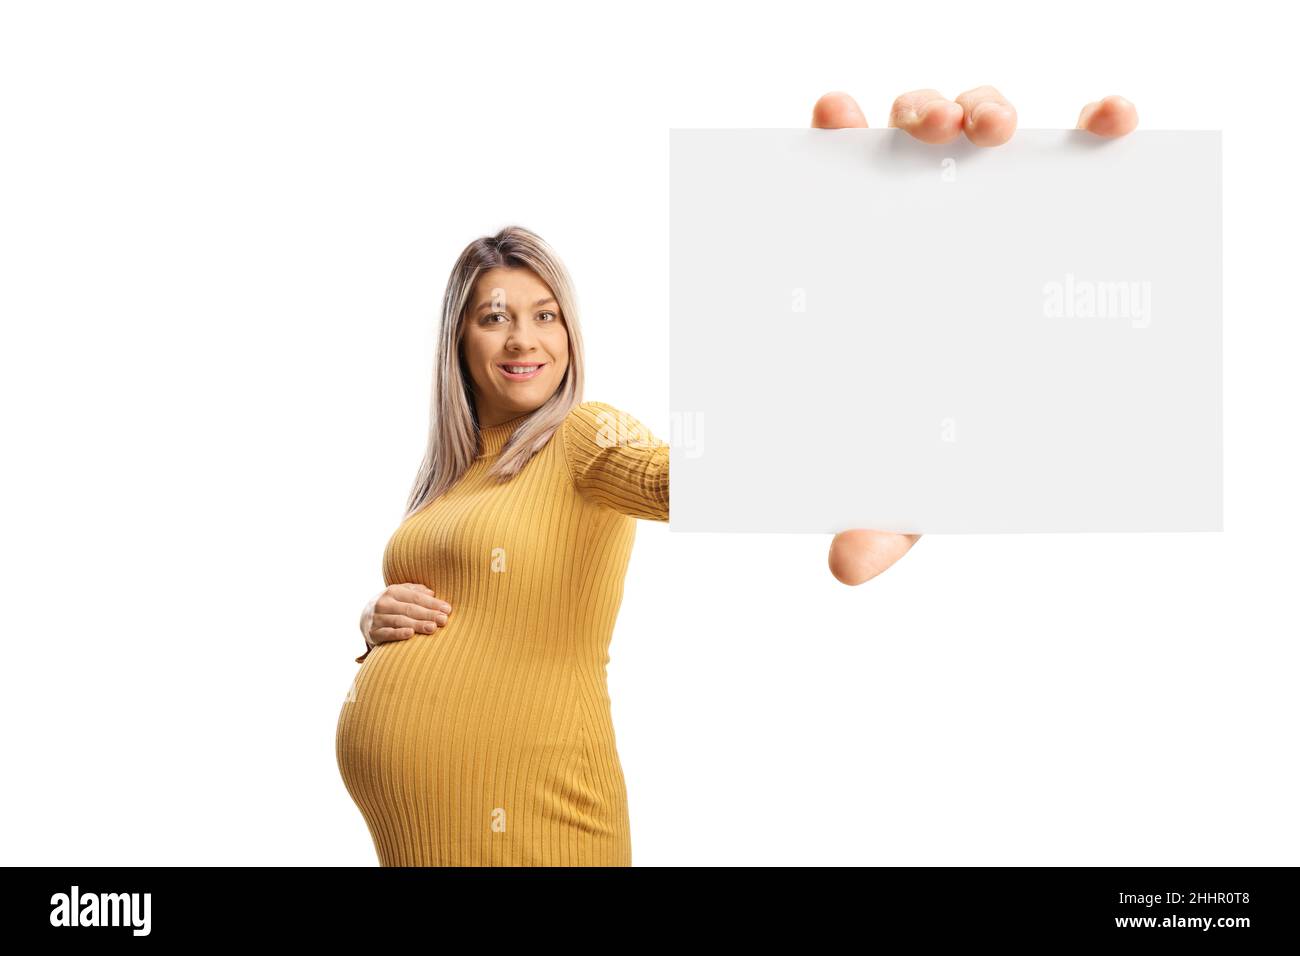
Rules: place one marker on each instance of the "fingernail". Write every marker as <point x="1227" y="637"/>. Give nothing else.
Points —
<point x="986" y="110"/>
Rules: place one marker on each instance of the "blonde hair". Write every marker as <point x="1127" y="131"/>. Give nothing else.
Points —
<point x="453" y="428"/>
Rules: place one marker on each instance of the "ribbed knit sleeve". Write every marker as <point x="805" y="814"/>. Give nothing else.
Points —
<point x="616" y="461"/>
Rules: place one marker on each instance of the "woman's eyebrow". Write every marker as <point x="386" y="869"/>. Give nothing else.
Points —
<point x="488" y="304"/>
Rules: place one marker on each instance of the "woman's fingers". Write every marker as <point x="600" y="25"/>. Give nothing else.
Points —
<point x="984" y="114"/>
<point x="1112" y="116"/>
<point x="989" y="120"/>
<point x="403" y="610"/>
<point x="430" y="599"/>
<point x="418" y="612"/>
<point x="412" y="594"/>
<point x="410" y="614"/>
<point x="837" y="111"/>
<point x="401" y="620"/>
<point x="416" y="593"/>
<point x="859" y="555"/>
<point x="927" y="116"/>
<point x="425" y="625"/>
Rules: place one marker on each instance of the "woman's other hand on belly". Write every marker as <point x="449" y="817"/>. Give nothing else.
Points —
<point x="401" y="611"/>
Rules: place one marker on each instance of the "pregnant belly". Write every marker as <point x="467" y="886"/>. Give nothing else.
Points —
<point x="422" y="707"/>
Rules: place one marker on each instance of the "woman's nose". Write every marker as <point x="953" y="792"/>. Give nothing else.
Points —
<point x="519" y="341"/>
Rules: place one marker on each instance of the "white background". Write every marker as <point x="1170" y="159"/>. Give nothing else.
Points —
<point x="224" y="234"/>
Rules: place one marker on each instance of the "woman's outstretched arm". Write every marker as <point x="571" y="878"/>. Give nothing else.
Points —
<point x="616" y="461"/>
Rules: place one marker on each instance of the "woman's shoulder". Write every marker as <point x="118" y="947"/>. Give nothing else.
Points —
<point x="592" y="415"/>
<point x="587" y="421"/>
<point x="605" y="423"/>
<point x="590" y="409"/>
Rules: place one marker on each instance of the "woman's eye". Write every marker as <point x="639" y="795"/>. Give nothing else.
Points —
<point x="492" y="317"/>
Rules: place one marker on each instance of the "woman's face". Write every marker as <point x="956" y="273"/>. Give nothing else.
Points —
<point x="515" y="344"/>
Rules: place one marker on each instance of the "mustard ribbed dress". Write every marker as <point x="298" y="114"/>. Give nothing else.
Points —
<point x="490" y="741"/>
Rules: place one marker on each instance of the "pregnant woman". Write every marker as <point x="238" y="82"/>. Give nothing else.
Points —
<point x="477" y="731"/>
<point x="486" y="738"/>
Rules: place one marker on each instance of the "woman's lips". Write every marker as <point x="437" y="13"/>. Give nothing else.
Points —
<point x="533" y="369"/>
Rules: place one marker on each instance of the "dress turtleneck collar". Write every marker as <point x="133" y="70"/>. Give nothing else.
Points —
<point x="493" y="438"/>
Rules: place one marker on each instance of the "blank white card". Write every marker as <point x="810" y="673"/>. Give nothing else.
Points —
<point x="872" y="332"/>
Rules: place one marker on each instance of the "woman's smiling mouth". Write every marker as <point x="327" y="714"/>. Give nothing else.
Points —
<point x="522" y="371"/>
